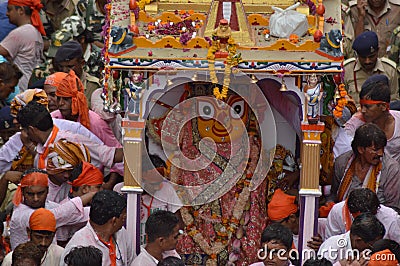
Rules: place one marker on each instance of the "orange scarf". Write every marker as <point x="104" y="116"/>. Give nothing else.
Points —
<point x="35" y="6"/>
<point x="111" y="250"/>
<point x="72" y="87"/>
<point x="373" y="181"/>
<point x="90" y="176"/>
<point x="347" y="216"/>
<point x="31" y="179"/>
<point x="43" y="156"/>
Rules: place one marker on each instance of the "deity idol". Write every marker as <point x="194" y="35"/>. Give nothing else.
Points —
<point x="227" y="229"/>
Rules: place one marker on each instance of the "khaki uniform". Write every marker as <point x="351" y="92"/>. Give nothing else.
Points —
<point x="90" y="83"/>
<point x="383" y="23"/>
<point x="56" y="11"/>
<point x="355" y="76"/>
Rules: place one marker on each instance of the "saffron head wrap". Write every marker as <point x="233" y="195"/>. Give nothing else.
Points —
<point x="27" y="180"/>
<point x="55" y="79"/>
<point x="35" y="6"/>
<point x="71" y="86"/>
<point x="42" y="220"/>
<point x="24" y="98"/>
<point x="281" y="205"/>
<point x="65" y="155"/>
<point x="90" y="176"/>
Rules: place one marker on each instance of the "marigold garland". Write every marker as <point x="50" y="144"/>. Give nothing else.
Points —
<point x="232" y="60"/>
<point x="341" y="102"/>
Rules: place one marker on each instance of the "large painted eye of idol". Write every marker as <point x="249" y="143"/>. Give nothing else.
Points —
<point x="222" y="121"/>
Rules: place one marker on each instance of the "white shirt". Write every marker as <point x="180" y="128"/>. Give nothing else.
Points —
<point x="387" y="216"/>
<point x="344" y="139"/>
<point x="51" y="258"/>
<point x="145" y="259"/>
<point x="87" y="237"/>
<point x="334" y="248"/>
<point x="12" y="147"/>
<point x="70" y="212"/>
<point x="156" y="203"/>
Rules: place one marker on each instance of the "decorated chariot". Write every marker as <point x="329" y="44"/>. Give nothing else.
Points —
<point x="215" y="85"/>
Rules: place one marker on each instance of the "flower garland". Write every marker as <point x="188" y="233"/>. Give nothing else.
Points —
<point x="228" y="226"/>
<point x="232" y="60"/>
<point x="106" y="35"/>
<point x="341" y="102"/>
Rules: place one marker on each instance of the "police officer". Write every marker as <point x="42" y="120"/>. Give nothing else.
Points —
<point x="366" y="63"/>
<point x="380" y="16"/>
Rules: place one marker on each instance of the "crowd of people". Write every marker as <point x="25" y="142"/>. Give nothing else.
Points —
<point x="61" y="158"/>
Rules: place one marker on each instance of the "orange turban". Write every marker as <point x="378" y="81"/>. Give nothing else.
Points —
<point x="281" y="205"/>
<point x="24" y="98"/>
<point x="65" y="155"/>
<point x="90" y="176"/>
<point x="35" y="6"/>
<point x="31" y="179"/>
<point x="55" y="79"/>
<point x="42" y="220"/>
<point x="383" y="258"/>
<point x="71" y="86"/>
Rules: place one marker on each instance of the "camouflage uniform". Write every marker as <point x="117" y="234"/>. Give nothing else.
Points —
<point x="94" y="19"/>
<point x="92" y="55"/>
<point x="45" y="68"/>
<point x="393" y="48"/>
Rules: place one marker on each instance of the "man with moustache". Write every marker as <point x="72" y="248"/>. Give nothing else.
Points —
<point x="367" y="166"/>
<point x="367" y="63"/>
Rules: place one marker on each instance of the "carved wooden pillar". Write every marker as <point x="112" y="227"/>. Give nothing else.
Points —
<point x="133" y="139"/>
<point x="309" y="186"/>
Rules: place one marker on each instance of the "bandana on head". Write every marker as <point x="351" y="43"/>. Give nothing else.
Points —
<point x="35" y="6"/>
<point x="364" y="101"/>
<point x="24" y="98"/>
<point x="31" y="179"/>
<point x="42" y="220"/>
<point x="281" y="205"/>
<point x="71" y="86"/>
<point x="55" y="79"/>
<point x="65" y="155"/>
<point x="90" y="176"/>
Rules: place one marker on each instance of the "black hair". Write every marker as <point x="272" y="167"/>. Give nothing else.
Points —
<point x="84" y="256"/>
<point x="367" y="135"/>
<point x="151" y="161"/>
<point x="160" y="224"/>
<point x="367" y="227"/>
<point x="278" y="232"/>
<point x="27" y="9"/>
<point x="377" y="91"/>
<point x="363" y="200"/>
<point x="26" y="250"/>
<point x="383" y="244"/>
<point x="36" y="115"/>
<point x="9" y="71"/>
<point x="317" y="262"/>
<point x="106" y="205"/>
<point x="75" y="173"/>
<point x="171" y="261"/>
